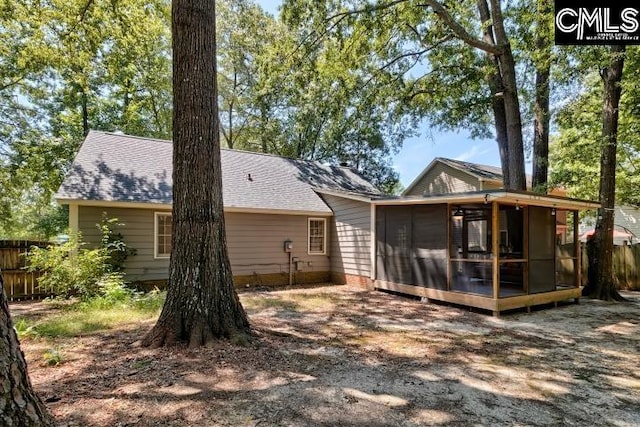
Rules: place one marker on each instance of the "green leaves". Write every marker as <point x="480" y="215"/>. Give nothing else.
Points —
<point x="575" y="152"/>
<point x="68" y="66"/>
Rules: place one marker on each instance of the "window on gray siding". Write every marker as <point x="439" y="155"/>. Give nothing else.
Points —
<point x="317" y="236"/>
<point x="163" y="235"/>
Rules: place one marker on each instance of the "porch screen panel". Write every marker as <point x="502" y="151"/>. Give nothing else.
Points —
<point x="542" y="232"/>
<point x="429" y="246"/>
<point x="398" y="229"/>
<point x="381" y="243"/>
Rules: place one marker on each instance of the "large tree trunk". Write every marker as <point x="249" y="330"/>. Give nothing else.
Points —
<point x="517" y="177"/>
<point x="496" y="42"/>
<point x="19" y="405"/>
<point x="496" y="88"/>
<point x="541" y="118"/>
<point x="601" y="279"/>
<point x="201" y="304"/>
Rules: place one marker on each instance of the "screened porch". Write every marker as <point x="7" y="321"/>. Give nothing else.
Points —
<point x="491" y="250"/>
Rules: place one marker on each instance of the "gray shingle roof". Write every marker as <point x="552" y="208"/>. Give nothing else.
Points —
<point x="122" y="168"/>
<point x="476" y="169"/>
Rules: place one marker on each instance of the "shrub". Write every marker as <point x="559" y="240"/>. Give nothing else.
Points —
<point x="70" y="269"/>
<point x="114" y="243"/>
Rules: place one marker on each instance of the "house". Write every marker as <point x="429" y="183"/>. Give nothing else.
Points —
<point x="477" y="246"/>
<point x="627" y="221"/>
<point x="626" y="226"/>
<point x="446" y="176"/>
<point x="267" y="200"/>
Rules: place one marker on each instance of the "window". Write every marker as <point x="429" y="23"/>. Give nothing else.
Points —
<point x="162" y="235"/>
<point x="317" y="236"/>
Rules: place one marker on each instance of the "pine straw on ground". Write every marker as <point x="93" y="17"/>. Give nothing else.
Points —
<point x="340" y="356"/>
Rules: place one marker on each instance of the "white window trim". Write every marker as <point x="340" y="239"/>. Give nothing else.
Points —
<point x="324" y="236"/>
<point x="156" y="255"/>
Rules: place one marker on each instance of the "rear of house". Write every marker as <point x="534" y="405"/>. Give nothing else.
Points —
<point x="452" y="236"/>
<point x="280" y="228"/>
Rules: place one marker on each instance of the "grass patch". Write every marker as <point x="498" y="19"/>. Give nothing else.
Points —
<point x="91" y="316"/>
<point x="53" y="357"/>
<point x="291" y="302"/>
<point x="260" y="302"/>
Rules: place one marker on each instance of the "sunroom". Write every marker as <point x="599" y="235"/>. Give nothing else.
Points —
<point x="492" y="250"/>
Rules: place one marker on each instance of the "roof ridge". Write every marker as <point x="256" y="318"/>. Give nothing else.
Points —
<point x="237" y="150"/>
<point x="221" y="148"/>
<point x="131" y="136"/>
<point x="464" y="161"/>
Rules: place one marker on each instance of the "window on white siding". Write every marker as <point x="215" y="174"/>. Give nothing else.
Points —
<point x="162" y="235"/>
<point x="317" y="236"/>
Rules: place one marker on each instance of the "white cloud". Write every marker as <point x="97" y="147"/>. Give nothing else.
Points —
<point x="475" y="151"/>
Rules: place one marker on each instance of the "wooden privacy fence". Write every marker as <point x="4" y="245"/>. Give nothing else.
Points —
<point x="19" y="283"/>
<point x="626" y="266"/>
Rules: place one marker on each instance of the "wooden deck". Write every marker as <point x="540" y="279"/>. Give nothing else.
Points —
<point x="495" y="305"/>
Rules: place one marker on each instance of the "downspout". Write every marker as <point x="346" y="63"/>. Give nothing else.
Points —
<point x="290" y="268"/>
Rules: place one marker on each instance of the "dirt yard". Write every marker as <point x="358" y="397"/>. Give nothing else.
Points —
<point x="340" y="356"/>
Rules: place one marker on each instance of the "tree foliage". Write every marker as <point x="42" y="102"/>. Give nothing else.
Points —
<point x="459" y="65"/>
<point x="69" y="66"/>
<point x="576" y="148"/>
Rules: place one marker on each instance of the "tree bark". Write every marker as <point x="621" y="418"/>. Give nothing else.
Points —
<point x="19" y="404"/>
<point x="540" y="170"/>
<point x="85" y="112"/>
<point x="202" y="304"/>
<point x="496" y="88"/>
<point x="517" y="177"/>
<point x="601" y="278"/>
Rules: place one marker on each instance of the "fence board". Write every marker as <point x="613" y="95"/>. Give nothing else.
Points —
<point x="626" y="266"/>
<point x="19" y="283"/>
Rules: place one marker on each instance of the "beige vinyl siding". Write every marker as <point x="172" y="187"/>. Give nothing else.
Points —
<point x="137" y="231"/>
<point x="443" y="179"/>
<point x="492" y="185"/>
<point x="350" y="236"/>
<point x="255" y="241"/>
<point x="629" y="218"/>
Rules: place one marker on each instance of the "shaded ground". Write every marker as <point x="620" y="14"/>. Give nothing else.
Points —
<point x="342" y="356"/>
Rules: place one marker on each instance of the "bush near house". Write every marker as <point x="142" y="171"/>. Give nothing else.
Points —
<point x="71" y="270"/>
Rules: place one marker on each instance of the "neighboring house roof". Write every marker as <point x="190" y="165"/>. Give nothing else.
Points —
<point x="121" y="168"/>
<point x="481" y="172"/>
<point x="476" y="170"/>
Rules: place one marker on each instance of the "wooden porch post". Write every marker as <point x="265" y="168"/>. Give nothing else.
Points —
<point x="495" y="250"/>
<point x="449" y="240"/>
<point x="577" y="264"/>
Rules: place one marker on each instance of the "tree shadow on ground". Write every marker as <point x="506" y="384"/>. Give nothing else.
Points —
<point x="367" y="359"/>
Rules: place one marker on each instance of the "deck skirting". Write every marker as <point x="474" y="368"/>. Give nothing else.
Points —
<point x="495" y="305"/>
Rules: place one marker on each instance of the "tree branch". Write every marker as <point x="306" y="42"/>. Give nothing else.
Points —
<point x="369" y="8"/>
<point x="459" y="30"/>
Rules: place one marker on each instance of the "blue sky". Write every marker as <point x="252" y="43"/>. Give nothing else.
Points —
<point x="418" y="151"/>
